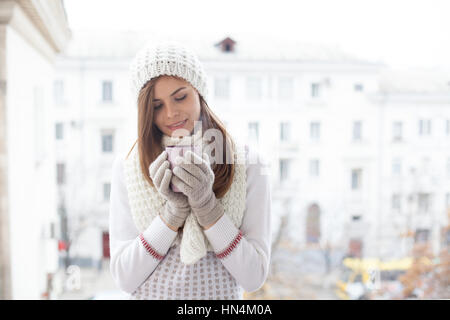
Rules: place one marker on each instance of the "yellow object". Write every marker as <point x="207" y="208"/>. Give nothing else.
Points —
<point x="377" y="264"/>
<point x="358" y="271"/>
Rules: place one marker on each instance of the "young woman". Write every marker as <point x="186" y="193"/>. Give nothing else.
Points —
<point x="209" y="241"/>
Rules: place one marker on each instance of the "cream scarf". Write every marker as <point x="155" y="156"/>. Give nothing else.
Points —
<point x="146" y="203"/>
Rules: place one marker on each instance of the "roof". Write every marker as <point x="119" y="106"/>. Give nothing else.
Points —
<point x="125" y="44"/>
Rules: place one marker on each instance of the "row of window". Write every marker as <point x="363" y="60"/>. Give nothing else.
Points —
<point x="314" y="132"/>
<point x="61" y="180"/>
<point x="425" y="167"/>
<point x="424" y="129"/>
<point x="423" y="199"/>
<point x="314" y="170"/>
<point x="59" y="94"/>
<point x="254" y="88"/>
<point x="285" y="132"/>
<point x="107" y="137"/>
<point x="222" y="90"/>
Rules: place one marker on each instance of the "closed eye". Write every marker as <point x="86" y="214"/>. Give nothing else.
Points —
<point x="179" y="99"/>
<point x="182" y="98"/>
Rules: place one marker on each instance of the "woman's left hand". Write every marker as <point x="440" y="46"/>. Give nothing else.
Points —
<point x="195" y="178"/>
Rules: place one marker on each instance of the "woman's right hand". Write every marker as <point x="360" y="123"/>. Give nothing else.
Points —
<point x="177" y="206"/>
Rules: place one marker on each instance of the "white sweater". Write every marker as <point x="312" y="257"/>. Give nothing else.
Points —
<point x="244" y="264"/>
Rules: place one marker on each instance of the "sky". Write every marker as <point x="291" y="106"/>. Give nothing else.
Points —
<point x="400" y="33"/>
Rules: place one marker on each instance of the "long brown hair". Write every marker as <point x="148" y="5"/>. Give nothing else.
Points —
<point x="149" y="139"/>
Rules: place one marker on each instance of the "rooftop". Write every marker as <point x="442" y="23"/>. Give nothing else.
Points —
<point x="125" y="44"/>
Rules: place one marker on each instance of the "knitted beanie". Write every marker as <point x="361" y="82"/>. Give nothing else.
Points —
<point x="167" y="58"/>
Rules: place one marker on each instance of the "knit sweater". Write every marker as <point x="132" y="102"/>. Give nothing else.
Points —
<point x="147" y="265"/>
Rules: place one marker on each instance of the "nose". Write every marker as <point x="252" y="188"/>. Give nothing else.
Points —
<point x="171" y="111"/>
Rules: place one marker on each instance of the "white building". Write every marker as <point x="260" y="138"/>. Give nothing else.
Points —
<point x="414" y="113"/>
<point x="317" y="115"/>
<point x="299" y="104"/>
<point x="32" y="33"/>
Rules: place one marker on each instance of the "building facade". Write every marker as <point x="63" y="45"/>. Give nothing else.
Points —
<point x="32" y="33"/>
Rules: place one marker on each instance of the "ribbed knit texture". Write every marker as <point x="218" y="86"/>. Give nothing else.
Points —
<point x="158" y="230"/>
<point x="146" y="203"/>
<point x="167" y="58"/>
<point x="222" y="234"/>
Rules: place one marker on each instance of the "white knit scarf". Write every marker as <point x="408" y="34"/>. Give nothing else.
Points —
<point x="146" y="203"/>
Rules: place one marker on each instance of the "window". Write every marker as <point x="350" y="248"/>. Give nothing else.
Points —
<point x="357" y="130"/>
<point x="285" y="131"/>
<point x="397" y="131"/>
<point x="421" y="235"/>
<point x="222" y="88"/>
<point x="59" y="131"/>
<point x="60" y="173"/>
<point x="356" y="179"/>
<point x="106" y="191"/>
<point x="359" y="87"/>
<point x="58" y="92"/>
<point x="424" y="202"/>
<point x="396" y="205"/>
<point x="314" y="168"/>
<point x="284" y="169"/>
<point x="313" y="224"/>
<point x="396" y="167"/>
<point x="285" y="88"/>
<point x="356" y="218"/>
<point x="107" y="94"/>
<point x="62" y="212"/>
<point x="254" y="88"/>
<point x="315" y="131"/>
<point x="107" y="141"/>
<point x="424" y="127"/>
<point x="315" y="90"/>
<point x="253" y="131"/>
<point x="105" y="242"/>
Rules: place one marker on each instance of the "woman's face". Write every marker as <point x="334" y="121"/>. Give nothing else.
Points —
<point x="175" y="101"/>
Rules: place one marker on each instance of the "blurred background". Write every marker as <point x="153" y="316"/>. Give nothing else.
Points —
<point x="349" y="102"/>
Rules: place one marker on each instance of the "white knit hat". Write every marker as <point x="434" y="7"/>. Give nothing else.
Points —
<point x="167" y="58"/>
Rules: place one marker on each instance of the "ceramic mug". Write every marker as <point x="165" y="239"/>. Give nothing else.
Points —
<point x="174" y="151"/>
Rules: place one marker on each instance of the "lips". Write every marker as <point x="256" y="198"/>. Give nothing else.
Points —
<point x="178" y="125"/>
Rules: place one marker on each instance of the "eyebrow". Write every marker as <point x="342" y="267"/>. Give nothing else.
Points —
<point x="172" y="93"/>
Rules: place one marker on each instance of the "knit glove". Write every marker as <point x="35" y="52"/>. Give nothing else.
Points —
<point x="194" y="177"/>
<point x="177" y="207"/>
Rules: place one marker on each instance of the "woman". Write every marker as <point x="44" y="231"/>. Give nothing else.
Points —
<point x="212" y="239"/>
